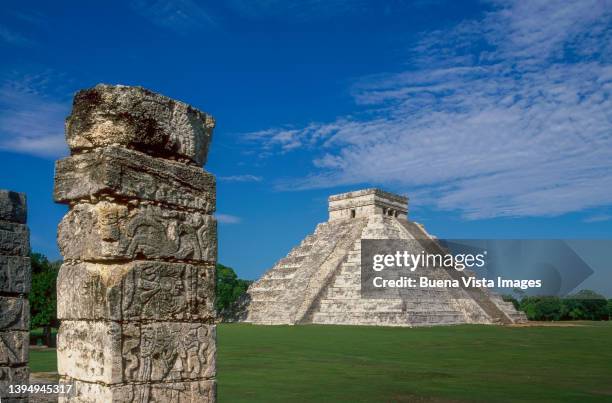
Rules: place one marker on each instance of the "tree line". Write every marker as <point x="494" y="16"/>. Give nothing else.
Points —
<point x="583" y="305"/>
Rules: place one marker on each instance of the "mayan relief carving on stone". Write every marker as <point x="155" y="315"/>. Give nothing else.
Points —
<point x="138" y="290"/>
<point x="129" y="233"/>
<point x="156" y="352"/>
<point x="15" y="282"/>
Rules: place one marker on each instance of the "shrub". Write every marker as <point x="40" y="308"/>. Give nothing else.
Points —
<point x="541" y="308"/>
<point x="585" y="305"/>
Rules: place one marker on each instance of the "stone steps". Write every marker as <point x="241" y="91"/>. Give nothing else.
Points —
<point x="361" y="305"/>
<point x="292" y="275"/>
<point x="482" y="298"/>
<point x="362" y="318"/>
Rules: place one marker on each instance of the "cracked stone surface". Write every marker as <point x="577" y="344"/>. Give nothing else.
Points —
<point x="135" y="117"/>
<point x="130" y="174"/>
<point x="136" y="290"/>
<point x="13" y="206"/>
<point x="14" y="239"/>
<point x="15" y="274"/>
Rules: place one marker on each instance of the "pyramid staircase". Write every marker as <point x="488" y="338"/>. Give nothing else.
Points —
<point x="498" y="310"/>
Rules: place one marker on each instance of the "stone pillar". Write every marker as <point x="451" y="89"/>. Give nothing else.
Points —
<point x="15" y="279"/>
<point x="136" y="290"/>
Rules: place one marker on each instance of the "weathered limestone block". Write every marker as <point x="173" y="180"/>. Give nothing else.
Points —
<point x="13" y="376"/>
<point x="137" y="290"/>
<point x="15" y="274"/>
<point x="113" y="353"/>
<point x="13" y="206"/>
<point x="14" y="239"/>
<point x="107" y="231"/>
<point x="131" y="174"/>
<point x="15" y="313"/>
<point x="13" y="348"/>
<point x="176" y="392"/>
<point x="137" y="118"/>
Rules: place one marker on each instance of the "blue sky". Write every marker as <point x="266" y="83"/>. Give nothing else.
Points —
<point x="495" y="118"/>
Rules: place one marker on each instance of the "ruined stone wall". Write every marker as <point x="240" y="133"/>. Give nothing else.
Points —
<point x="15" y="280"/>
<point x="136" y="290"/>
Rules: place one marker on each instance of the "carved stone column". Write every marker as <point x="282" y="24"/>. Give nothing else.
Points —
<point x="15" y="279"/>
<point x="136" y="291"/>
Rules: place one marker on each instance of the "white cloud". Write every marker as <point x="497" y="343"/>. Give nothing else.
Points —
<point x="13" y="38"/>
<point x="228" y="219"/>
<point x="30" y="122"/>
<point x="181" y="16"/>
<point x="241" y="178"/>
<point x="510" y="115"/>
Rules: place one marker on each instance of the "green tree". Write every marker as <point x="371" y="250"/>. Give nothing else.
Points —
<point x="610" y="309"/>
<point x="43" y="297"/>
<point x="584" y="305"/>
<point x="229" y="287"/>
<point x="542" y="308"/>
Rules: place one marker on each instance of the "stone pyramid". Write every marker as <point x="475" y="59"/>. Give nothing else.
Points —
<point x="319" y="280"/>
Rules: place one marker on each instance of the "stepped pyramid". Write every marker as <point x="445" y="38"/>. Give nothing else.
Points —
<point x="319" y="280"/>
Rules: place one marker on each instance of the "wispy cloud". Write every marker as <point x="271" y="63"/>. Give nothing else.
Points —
<point x="30" y="122"/>
<point x="228" y="219"/>
<point x="300" y="10"/>
<point x="181" y="16"/>
<point x="12" y="37"/>
<point x="504" y="116"/>
<point x="31" y="16"/>
<point x="241" y="178"/>
<point x="598" y="218"/>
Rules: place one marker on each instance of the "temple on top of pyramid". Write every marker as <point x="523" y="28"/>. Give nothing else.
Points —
<point x="367" y="202"/>
<point x="319" y="281"/>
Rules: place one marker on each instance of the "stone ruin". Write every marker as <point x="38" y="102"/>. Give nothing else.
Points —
<point x="136" y="290"/>
<point x="319" y="281"/>
<point x="15" y="281"/>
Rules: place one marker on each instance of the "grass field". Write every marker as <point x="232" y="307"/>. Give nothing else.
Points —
<point x="457" y="363"/>
<point x="43" y="360"/>
<point x="440" y="364"/>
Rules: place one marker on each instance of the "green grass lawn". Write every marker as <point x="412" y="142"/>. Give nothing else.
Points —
<point x="43" y="360"/>
<point x="440" y="364"/>
<point x="457" y="363"/>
